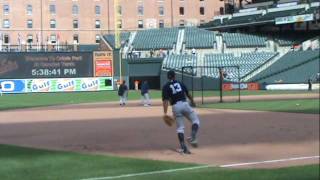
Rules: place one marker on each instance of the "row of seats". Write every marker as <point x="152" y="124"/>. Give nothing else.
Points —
<point x="163" y="38"/>
<point x="198" y="38"/>
<point x="176" y="62"/>
<point x="259" y="17"/>
<point x="247" y="62"/>
<point x="233" y="40"/>
<point x="289" y="60"/>
<point x="298" y="74"/>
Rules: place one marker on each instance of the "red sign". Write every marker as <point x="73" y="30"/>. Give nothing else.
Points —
<point x="103" y="63"/>
<point x="103" y="68"/>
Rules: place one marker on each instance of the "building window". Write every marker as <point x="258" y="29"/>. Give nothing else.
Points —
<point x="161" y="24"/>
<point x="75" y="9"/>
<point x="6" y="9"/>
<point x="120" y="10"/>
<point x="97" y="9"/>
<point x="161" y="10"/>
<point x="75" y="24"/>
<point x="140" y="10"/>
<point x="119" y="24"/>
<point x="201" y="10"/>
<point x="52" y="9"/>
<point x="53" y="23"/>
<point x="97" y="38"/>
<point x="181" y="23"/>
<point x="53" y="39"/>
<point x="6" y="23"/>
<point x="181" y="10"/>
<point x="29" y="38"/>
<point x="140" y="24"/>
<point x="29" y="23"/>
<point x="29" y="9"/>
<point x="75" y="39"/>
<point x="98" y="24"/>
<point x="6" y="39"/>
<point x="202" y="21"/>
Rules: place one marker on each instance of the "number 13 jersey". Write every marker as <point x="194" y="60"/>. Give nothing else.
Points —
<point x="174" y="91"/>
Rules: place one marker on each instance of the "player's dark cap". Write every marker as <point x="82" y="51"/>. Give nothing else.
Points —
<point x="171" y="74"/>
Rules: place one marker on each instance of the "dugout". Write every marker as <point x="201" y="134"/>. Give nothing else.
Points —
<point x="143" y="69"/>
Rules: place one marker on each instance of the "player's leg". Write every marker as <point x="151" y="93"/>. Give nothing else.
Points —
<point x="177" y="112"/>
<point x="192" y="116"/>
<point x="147" y="98"/>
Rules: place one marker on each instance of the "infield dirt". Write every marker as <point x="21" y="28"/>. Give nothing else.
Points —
<point x="226" y="136"/>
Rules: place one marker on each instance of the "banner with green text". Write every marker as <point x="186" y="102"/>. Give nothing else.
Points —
<point x="69" y="84"/>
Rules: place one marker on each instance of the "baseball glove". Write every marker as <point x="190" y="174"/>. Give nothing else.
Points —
<point x="168" y="120"/>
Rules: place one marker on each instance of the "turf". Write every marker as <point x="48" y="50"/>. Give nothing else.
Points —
<point x="310" y="106"/>
<point x="14" y="101"/>
<point x="18" y="163"/>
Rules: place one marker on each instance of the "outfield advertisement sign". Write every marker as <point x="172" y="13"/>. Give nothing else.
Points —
<point x="57" y="85"/>
<point x="242" y="86"/>
<point x="12" y="85"/>
<point x="294" y="19"/>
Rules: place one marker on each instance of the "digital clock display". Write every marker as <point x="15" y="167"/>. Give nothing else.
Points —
<point x="54" y="72"/>
<point x="46" y="65"/>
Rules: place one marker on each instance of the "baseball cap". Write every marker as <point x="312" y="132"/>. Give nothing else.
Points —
<point x="171" y="74"/>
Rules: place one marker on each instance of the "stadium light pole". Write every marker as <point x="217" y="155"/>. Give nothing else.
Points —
<point x="41" y="24"/>
<point x="117" y="35"/>
<point x="172" y="13"/>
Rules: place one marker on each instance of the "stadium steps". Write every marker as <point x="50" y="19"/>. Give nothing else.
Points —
<point x="180" y="41"/>
<point x="130" y="41"/>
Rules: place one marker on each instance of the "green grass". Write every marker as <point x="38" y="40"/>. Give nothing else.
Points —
<point x="310" y="106"/>
<point x="18" y="163"/>
<point x="13" y="101"/>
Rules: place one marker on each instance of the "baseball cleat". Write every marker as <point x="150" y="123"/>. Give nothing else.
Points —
<point x="193" y="142"/>
<point x="183" y="151"/>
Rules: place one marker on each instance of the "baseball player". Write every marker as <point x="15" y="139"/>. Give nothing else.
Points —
<point x="176" y="93"/>
<point x="123" y="93"/>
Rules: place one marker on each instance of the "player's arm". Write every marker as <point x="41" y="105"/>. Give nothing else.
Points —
<point x="165" y="104"/>
<point x="165" y="100"/>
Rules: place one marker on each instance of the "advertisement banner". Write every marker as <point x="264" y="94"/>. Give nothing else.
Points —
<point x="294" y="19"/>
<point x="69" y="84"/>
<point x="243" y="86"/>
<point x="13" y="85"/>
<point x="103" y="61"/>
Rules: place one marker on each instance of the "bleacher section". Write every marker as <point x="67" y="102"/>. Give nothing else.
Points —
<point x="247" y="63"/>
<point x="124" y="37"/>
<point x="272" y="15"/>
<point x="263" y="13"/>
<point x="164" y="38"/>
<point x="236" y="40"/>
<point x="198" y="38"/>
<point x="289" y="61"/>
<point x="299" y="74"/>
<point x="176" y="62"/>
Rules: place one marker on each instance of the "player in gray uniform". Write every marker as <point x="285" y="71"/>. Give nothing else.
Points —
<point x="176" y="93"/>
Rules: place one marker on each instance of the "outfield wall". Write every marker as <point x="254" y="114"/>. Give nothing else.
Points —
<point x="25" y="72"/>
<point x="56" y="85"/>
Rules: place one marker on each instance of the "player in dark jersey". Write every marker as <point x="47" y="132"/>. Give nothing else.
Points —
<point x="176" y="93"/>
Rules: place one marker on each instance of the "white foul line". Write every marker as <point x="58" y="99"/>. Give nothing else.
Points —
<point x="203" y="167"/>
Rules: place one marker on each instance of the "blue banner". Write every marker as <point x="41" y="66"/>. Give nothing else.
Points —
<point x="13" y="85"/>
